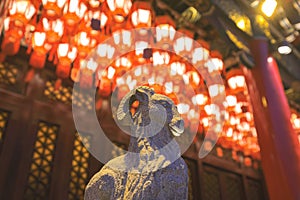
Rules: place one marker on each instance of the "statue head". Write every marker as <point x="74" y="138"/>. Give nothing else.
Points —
<point x="149" y="100"/>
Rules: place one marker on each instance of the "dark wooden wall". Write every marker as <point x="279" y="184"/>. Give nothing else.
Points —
<point x="41" y="156"/>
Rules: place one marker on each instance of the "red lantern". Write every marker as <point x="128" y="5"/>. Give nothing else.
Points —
<point x="119" y="9"/>
<point x="4" y="6"/>
<point x="141" y="15"/>
<point x="236" y="80"/>
<point x="66" y="55"/>
<point x="11" y="42"/>
<point x="160" y="58"/>
<point x="38" y="56"/>
<point x="84" y="43"/>
<point x="200" y="53"/>
<point x="96" y="19"/>
<point x="122" y="38"/>
<point x="105" y="87"/>
<point x="192" y="78"/>
<point x="164" y="31"/>
<point x="87" y="72"/>
<point x="73" y="12"/>
<point x="21" y="12"/>
<point x="183" y="43"/>
<point x="52" y="9"/>
<point x="105" y="53"/>
<point x="54" y="30"/>
<point x="214" y="63"/>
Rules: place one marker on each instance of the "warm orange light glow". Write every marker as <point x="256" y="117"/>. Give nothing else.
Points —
<point x="119" y="8"/>
<point x="183" y="43"/>
<point x="141" y="15"/>
<point x="73" y="12"/>
<point x="235" y="79"/>
<point x="165" y="31"/>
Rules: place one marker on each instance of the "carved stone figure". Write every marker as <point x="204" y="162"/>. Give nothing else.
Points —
<point x="153" y="168"/>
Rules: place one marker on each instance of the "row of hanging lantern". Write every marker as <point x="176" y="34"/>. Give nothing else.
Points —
<point x="66" y="31"/>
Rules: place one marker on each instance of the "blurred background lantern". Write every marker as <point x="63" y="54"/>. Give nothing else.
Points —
<point x="4" y="7"/>
<point x="119" y="9"/>
<point x="165" y="31"/>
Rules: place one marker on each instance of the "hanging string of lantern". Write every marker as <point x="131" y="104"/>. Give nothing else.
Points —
<point x="66" y="31"/>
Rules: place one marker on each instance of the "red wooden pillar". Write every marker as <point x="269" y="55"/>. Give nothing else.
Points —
<point x="280" y="150"/>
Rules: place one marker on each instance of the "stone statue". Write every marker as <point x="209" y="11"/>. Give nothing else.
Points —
<point x="153" y="168"/>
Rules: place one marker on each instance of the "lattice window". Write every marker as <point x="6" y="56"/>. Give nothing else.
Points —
<point x="8" y="73"/>
<point x="4" y="116"/>
<point x="39" y="178"/>
<point x="83" y="100"/>
<point x="211" y="186"/>
<point x="79" y="173"/>
<point x="255" y="191"/>
<point x="233" y="188"/>
<point x="64" y="94"/>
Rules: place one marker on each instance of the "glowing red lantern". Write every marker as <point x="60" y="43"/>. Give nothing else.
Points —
<point x="12" y="39"/>
<point x="84" y="43"/>
<point x="236" y="79"/>
<point x="21" y="12"/>
<point x="123" y="38"/>
<point x="122" y="64"/>
<point x="4" y="5"/>
<point x="54" y="29"/>
<point x="96" y="19"/>
<point x="52" y="9"/>
<point x="214" y="63"/>
<point x="119" y="9"/>
<point x="73" y="12"/>
<point x="200" y="53"/>
<point x="200" y="99"/>
<point x="141" y="15"/>
<point x="105" y="53"/>
<point x="87" y="71"/>
<point x="161" y="58"/>
<point x="183" y="43"/>
<point x="66" y="55"/>
<point x="192" y="78"/>
<point x="105" y="87"/>
<point x="164" y="31"/>
<point x="38" y="56"/>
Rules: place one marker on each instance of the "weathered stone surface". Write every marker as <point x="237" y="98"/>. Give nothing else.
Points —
<point x="153" y="168"/>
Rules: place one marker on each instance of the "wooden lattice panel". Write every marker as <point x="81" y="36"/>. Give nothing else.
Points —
<point x="38" y="183"/>
<point x="61" y="94"/>
<point x="233" y="188"/>
<point x="211" y="186"/>
<point x="64" y="95"/>
<point x="79" y="173"/>
<point x="8" y="73"/>
<point x="4" y="116"/>
<point x="255" y="191"/>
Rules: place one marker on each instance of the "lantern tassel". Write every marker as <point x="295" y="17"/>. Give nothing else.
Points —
<point x="29" y="75"/>
<point x="57" y="84"/>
